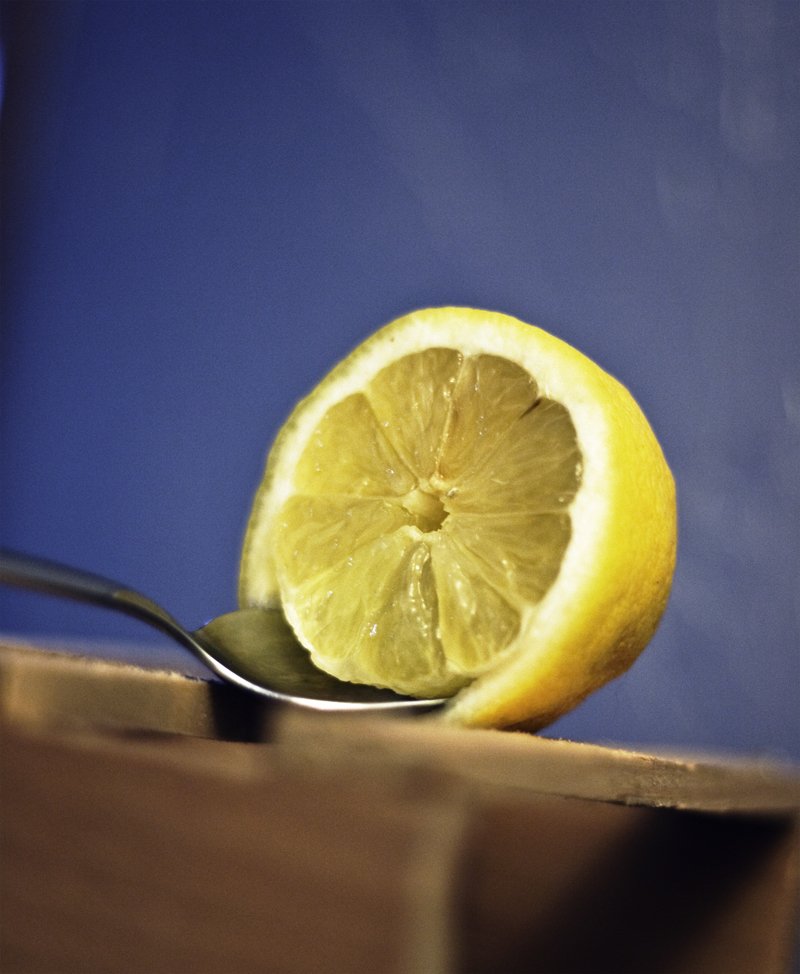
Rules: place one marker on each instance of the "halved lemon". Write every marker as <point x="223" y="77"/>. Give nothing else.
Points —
<point x="467" y="507"/>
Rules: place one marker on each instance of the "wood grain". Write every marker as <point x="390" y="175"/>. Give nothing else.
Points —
<point x="209" y="837"/>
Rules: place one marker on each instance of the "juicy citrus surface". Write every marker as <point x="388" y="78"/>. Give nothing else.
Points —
<point x="467" y="506"/>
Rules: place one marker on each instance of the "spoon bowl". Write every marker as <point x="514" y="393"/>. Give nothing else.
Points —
<point x="254" y="649"/>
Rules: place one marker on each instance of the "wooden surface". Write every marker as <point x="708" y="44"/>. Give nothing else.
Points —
<point x="65" y="690"/>
<point x="213" y="835"/>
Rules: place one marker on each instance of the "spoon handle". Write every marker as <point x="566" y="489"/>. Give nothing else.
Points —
<point x="42" y="575"/>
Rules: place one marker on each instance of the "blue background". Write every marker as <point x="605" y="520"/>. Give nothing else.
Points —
<point x="206" y="205"/>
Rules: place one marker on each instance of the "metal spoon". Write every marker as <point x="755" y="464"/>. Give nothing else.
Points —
<point x="253" y="648"/>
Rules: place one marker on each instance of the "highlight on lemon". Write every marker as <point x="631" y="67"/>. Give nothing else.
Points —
<point x="467" y="506"/>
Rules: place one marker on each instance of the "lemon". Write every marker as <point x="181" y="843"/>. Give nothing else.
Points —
<point x="467" y="507"/>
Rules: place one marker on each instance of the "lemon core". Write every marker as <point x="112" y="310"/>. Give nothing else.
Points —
<point x="426" y="508"/>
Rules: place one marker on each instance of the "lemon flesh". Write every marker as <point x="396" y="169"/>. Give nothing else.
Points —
<point x="454" y="512"/>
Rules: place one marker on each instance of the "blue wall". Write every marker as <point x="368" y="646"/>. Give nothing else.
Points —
<point x="205" y="205"/>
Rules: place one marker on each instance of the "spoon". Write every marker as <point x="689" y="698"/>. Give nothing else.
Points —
<point x="252" y="648"/>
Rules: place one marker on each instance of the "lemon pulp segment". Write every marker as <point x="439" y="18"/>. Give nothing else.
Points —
<point x="429" y="510"/>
